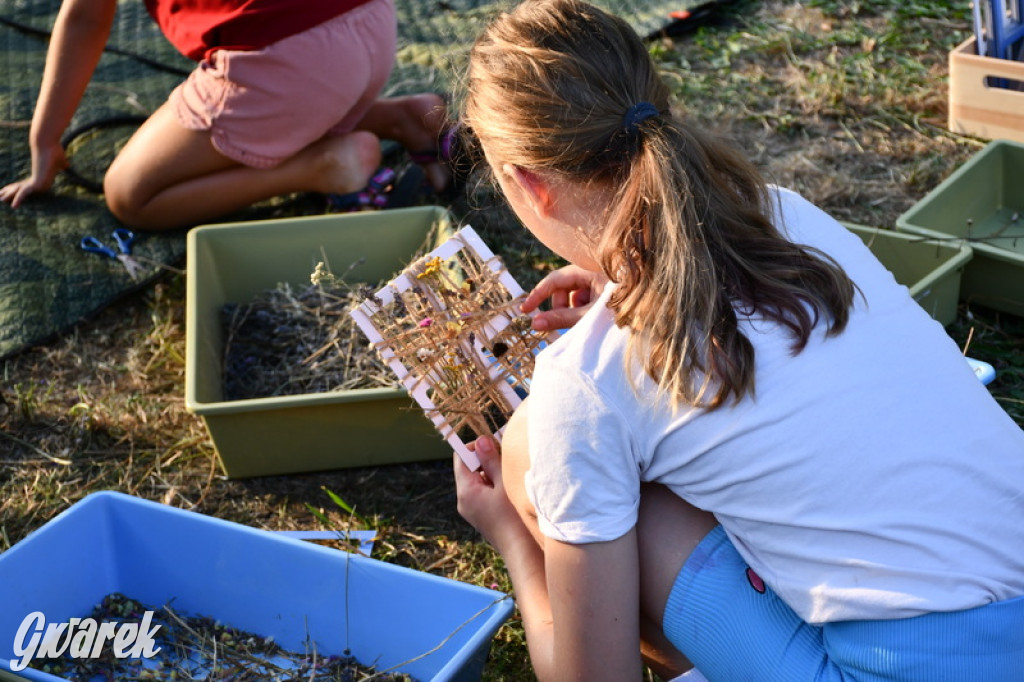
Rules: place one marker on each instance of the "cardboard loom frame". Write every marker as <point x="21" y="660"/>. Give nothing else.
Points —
<point x="450" y="327"/>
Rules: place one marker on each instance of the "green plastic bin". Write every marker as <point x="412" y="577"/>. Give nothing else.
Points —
<point x="981" y="204"/>
<point x="232" y="263"/>
<point x="930" y="269"/>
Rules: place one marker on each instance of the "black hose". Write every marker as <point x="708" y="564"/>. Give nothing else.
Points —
<point x="143" y="59"/>
<point x="74" y="176"/>
<point x="117" y="121"/>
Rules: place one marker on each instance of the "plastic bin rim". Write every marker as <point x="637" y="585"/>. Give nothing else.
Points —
<point x="988" y="250"/>
<point x="284" y="402"/>
<point x="903" y="222"/>
<point x="933" y="236"/>
<point x="439" y="212"/>
<point x="123" y="500"/>
<point x="963" y="254"/>
<point x="116" y="499"/>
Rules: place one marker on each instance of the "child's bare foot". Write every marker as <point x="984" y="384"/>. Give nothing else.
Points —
<point x="429" y="109"/>
<point x="415" y="122"/>
<point x="341" y="164"/>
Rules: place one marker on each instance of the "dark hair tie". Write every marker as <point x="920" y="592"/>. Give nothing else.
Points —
<point x="638" y="113"/>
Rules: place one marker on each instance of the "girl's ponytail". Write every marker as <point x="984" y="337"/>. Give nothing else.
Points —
<point x="563" y="88"/>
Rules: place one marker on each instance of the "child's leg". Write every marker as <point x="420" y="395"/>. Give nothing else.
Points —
<point x="168" y="176"/>
<point x="668" y="530"/>
<point x="415" y="122"/>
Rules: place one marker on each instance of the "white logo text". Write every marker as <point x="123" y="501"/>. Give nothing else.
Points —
<point x="82" y="638"/>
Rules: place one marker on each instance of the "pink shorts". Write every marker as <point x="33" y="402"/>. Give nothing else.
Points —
<point x="263" y="106"/>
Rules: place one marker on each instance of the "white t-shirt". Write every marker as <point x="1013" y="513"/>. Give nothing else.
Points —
<point x="871" y="476"/>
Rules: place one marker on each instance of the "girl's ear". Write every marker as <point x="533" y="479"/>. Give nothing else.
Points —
<point x="535" y="188"/>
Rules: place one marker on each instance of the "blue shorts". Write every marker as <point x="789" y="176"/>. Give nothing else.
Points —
<point x="733" y="627"/>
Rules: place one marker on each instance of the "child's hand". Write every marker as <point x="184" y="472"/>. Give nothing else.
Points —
<point x="572" y="291"/>
<point x="482" y="500"/>
<point x="45" y="166"/>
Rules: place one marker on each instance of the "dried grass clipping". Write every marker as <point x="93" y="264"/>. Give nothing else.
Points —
<point x="197" y="647"/>
<point x="289" y="342"/>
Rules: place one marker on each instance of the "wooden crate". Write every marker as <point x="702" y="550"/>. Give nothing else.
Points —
<point x="978" y="108"/>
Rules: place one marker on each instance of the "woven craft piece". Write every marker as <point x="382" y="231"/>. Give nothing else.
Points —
<point x="450" y="327"/>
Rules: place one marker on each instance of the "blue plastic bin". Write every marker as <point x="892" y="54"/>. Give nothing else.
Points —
<point x="249" y="579"/>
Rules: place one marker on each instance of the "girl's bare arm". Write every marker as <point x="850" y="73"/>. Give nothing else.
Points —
<point x="79" y="36"/>
<point x="594" y="590"/>
<point x="579" y="603"/>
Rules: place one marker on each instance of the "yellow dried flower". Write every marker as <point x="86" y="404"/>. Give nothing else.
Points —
<point x="430" y="268"/>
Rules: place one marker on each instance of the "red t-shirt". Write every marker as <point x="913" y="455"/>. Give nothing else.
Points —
<point x="199" y="27"/>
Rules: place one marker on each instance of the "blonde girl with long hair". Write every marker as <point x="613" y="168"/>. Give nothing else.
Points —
<point x="753" y="452"/>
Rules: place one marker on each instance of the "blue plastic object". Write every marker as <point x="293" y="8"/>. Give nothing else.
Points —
<point x="984" y="371"/>
<point x="364" y="539"/>
<point x="250" y="579"/>
<point x="999" y="27"/>
<point x="124" y="238"/>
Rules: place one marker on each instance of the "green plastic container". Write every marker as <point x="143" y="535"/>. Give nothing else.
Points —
<point x="930" y="269"/>
<point x="981" y="204"/>
<point x="232" y="263"/>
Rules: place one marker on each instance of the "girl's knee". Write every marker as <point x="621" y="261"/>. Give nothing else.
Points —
<point x="514" y="435"/>
<point x="515" y="462"/>
<point x="515" y="451"/>
<point x="123" y="199"/>
<point x="128" y="189"/>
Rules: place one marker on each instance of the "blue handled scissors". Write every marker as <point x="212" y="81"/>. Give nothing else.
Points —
<point x="124" y="239"/>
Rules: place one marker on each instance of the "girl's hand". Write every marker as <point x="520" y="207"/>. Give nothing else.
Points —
<point x="482" y="500"/>
<point x="46" y="163"/>
<point x="572" y="291"/>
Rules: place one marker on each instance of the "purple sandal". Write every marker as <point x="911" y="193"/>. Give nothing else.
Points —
<point x="385" y="189"/>
<point x="374" y="195"/>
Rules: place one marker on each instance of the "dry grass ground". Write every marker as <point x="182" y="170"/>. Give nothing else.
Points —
<point x="844" y="101"/>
